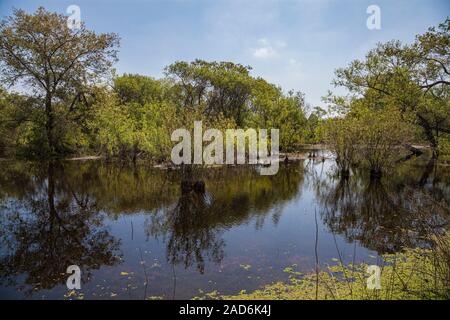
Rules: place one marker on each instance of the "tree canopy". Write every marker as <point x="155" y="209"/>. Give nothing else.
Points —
<point x="71" y="101"/>
<point x="57" y="65"/>
<point x="414" y="78"/>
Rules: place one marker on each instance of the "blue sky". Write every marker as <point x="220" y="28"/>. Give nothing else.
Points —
<point x="296" y="44"/>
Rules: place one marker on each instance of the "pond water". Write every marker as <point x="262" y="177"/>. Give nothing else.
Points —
<point x="135" y="235"/>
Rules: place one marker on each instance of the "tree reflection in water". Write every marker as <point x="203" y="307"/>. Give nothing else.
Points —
<point x="58" y="214"/>
<point x="188" y="228"/>
<point x="49" y="229"/>
<point x="383" y="215"/>
<point x="53" y="216"/>
<point x="193" y="225"/>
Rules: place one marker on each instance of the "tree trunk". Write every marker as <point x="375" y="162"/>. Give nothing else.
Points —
<point x="50" y="125"/>
<point x="430" y="136"/>
<point x="135" y="153"/>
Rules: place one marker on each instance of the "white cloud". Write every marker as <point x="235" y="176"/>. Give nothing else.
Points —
<point x="264" y="52"/>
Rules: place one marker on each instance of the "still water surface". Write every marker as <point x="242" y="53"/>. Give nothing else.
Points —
<point x="135" y="235"/>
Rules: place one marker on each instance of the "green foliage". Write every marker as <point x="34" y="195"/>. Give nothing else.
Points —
<point x="221" y="87"/>
<point x="381" y="132"/>
<point x="273" y="109"/>
<point x="137" y="118"/>
<point x="69" y="110"/>
<point x="128" y="129"/>
<point x="400" y="94"/>
<point x="342" y="136"/>
<point x="411" y="78"/>
<point x="140" y="89"/>
<point x="59" y="68"/>
<point x="368" y="137"/>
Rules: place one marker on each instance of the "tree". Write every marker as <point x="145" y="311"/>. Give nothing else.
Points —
<point x="380" y="132"/>
<point x="221" y="87"/>
<point x="131" y="129"/>
<point x="414" y="78"/>
<point x="313" y="131"/>
<point x="271" y="108"/>
<point x="289" y="117"/>
<point x="342" y="136"/>
<point x="364" y="136"/>
<point x="56" y="64"/>
<point x="17" y="116"/>
<point x="135" y="88"/>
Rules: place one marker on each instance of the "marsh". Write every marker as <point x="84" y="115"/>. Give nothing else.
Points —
<point x="135" y="235"/>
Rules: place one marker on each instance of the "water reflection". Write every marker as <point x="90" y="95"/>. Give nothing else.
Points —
<point x="57" y="214"/>
<point x="384" y="215"/>
<point x="50" y="228"/>
<point x="189" y="232"/>
<point x="193" y="225"/>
